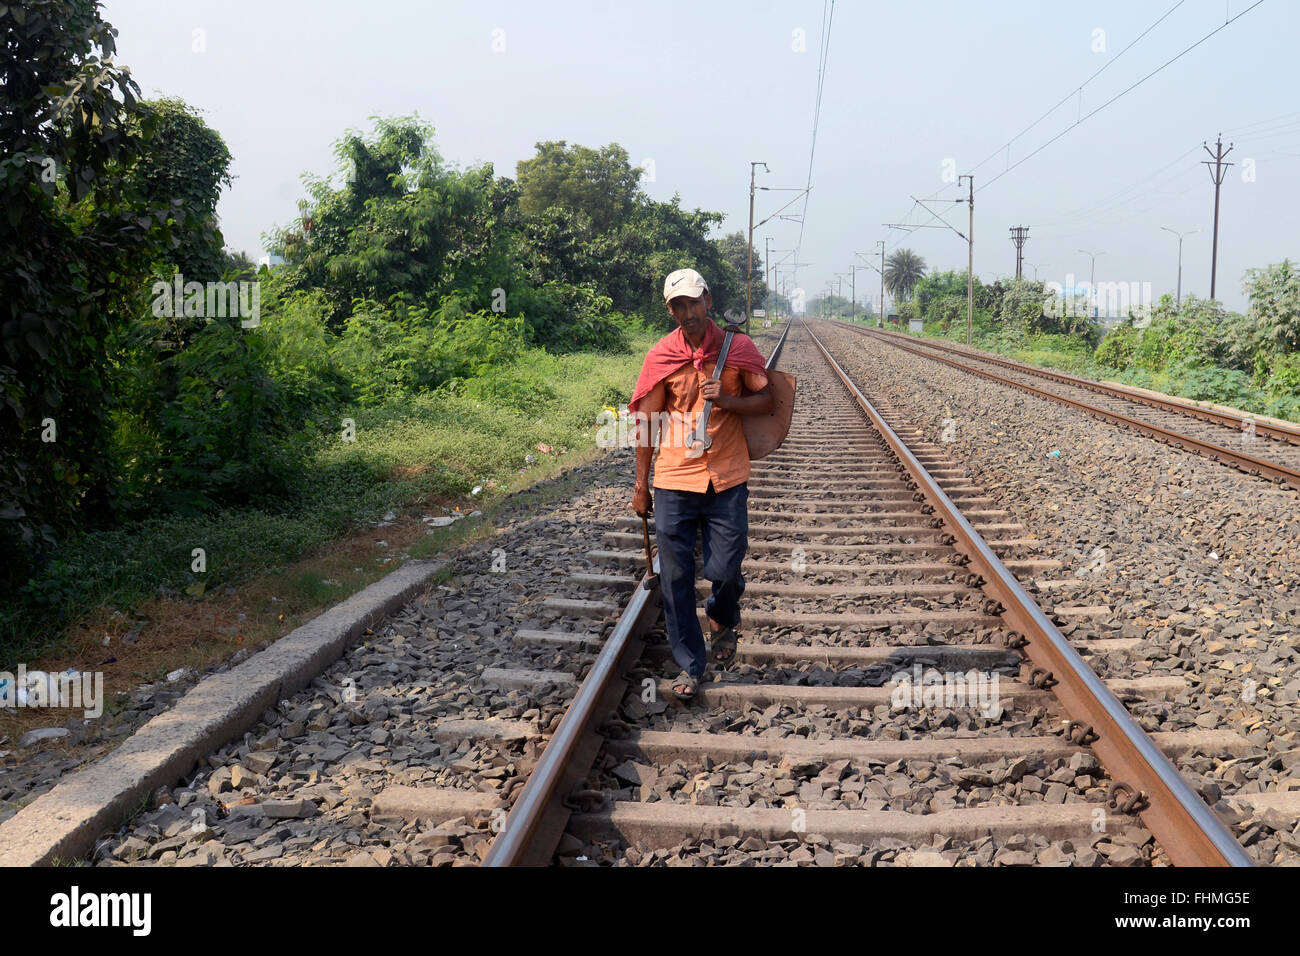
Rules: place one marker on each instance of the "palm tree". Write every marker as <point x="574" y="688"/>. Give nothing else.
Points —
<point x="903" y="270"/>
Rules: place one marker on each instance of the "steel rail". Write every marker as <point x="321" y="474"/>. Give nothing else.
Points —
<point x="776" y="352"/>
<point x="1248" y="463"/>
<point x="1187" y="829"/>
<point x="532" y="829"/>
<point x="1183" y="407"/>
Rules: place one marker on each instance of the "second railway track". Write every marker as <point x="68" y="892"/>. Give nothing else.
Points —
<point x="1259" y="447"/>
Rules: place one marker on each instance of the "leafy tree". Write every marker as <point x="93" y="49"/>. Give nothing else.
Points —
<point x="1020" y="306"/>
<point x="401" y="223"/>
<point x="734" y="248"/>
<point x="601" y="185"/>
<point x="903" y="270"/>
<point x="942" y="285"/>
<point x="192" y="166"/>
<point x="78" y="244"/>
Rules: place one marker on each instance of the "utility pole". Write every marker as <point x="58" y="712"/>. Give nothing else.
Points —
<point x="767" y="268"/>
<point x="881" y="244"/>
<point x="1179" y="300"/>
<point x="1019" y="234"/>
<point x="749" y="263"/>
<point x="970" y="258"/>
<point x="1092" y="279"/>
<point x="1220" y="167"/>
<point x="853" y="291"/>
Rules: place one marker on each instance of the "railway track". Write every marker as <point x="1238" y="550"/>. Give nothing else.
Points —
<point x="1267" y="449"/>
<point x="897" y="698"/>
<point x="821" y="743"/>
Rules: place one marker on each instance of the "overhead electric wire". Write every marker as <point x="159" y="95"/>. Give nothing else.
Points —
<point x="1120" y="94"/>
<point x="1114" y="98"/>
<point x="1079" y="89"/>
<point x="1065" y="99"/>
<point x="828" y="18"/>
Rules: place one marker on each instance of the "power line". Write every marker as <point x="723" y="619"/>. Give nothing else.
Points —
<point x="1129" y="89"/>
<point x="1074" y="92"/>
<point x="1117" y="96"/>
<point x="1078" y="89"/>
<point x="828" y="18"/>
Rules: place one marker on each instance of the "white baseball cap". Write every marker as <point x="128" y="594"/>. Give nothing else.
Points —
<point x="685" y="282"/>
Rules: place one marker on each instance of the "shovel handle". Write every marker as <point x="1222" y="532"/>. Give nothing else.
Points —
<point x="651" y="579"/>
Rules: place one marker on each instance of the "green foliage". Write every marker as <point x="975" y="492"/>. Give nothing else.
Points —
<point x="302" y="351"/>
<point x="390" y="352"/>
<point x="79" y="240"/>
<point x="734" y="248"/>
<point x="189" y="165"/>
<point x="1275" y="304"/>
<point x="396" y="226"/>
<point x="942" y="285"/>
<point x="600" y="185"/>
<point x="1117" y="348"/>
<point x="204" y="423"/>
<point x="903" y="270"/>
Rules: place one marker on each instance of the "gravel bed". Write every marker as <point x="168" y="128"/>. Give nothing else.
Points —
<point x="905" y="786"/>
<point x="297" y="790"/>
<point x="1199" y="561"/>
<point x="1132" y="846"/>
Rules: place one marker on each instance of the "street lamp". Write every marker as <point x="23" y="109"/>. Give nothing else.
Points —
<point x="1092" y="279"/>
<point x="1180" y="235"/>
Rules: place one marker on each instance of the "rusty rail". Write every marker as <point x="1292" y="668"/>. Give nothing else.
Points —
<point x="1187" y="829"/>
<point x="1248" y="463"/>
<point x="1170" y="403"/>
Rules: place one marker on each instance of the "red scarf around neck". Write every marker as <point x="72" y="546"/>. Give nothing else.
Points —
<point x="673" y="351"/>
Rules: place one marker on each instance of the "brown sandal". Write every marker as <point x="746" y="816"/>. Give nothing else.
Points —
<point x="684" y="679"/>
<point x="725" y="640"/>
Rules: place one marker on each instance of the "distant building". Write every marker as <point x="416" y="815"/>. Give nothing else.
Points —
<point x="270" y="260"/>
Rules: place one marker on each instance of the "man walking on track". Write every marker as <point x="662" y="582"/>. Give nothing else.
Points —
<point x="699" y="486"/>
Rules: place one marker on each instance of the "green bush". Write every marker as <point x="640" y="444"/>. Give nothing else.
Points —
<point x="1117" y="348"/>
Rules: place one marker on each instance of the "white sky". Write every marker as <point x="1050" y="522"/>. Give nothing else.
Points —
<point x="703" y="89"/>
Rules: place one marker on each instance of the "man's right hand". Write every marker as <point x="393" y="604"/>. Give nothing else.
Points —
<point x="641" y="502"/>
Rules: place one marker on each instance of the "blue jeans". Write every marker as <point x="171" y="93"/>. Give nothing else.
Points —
<point x="723" y="519"/>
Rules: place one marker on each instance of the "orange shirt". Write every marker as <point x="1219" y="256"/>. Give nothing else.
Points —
<point x="726" y="463"/>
